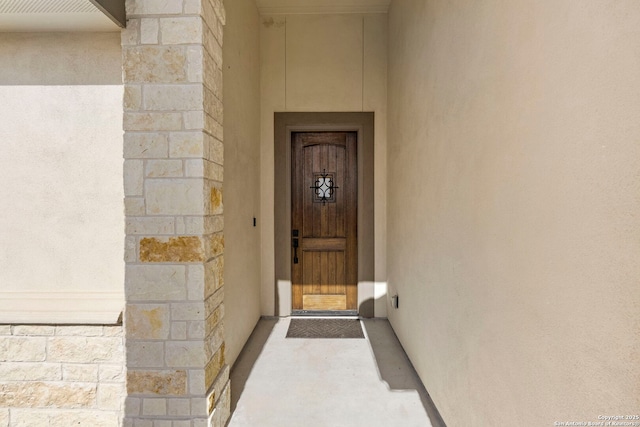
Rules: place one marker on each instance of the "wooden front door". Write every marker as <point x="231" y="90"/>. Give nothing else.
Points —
<point x="324" y="254"/>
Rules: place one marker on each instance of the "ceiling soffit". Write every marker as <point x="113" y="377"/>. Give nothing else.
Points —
<point x="277" y="7"/>
<point x="61" y="15"/>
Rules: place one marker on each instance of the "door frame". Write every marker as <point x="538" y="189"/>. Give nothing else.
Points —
<point x="284" y="125"/>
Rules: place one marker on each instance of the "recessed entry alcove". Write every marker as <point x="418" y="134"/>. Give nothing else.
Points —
<point x="362" y="124"/>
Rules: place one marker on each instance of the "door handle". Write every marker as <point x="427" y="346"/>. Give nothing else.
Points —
<point x="295" y="243"/>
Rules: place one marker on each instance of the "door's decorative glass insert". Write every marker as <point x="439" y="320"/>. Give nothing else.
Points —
<point x="324" y="188"/>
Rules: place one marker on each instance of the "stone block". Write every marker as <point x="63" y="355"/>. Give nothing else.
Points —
<point x="178" y="330"/>
<point x="163" y="168"/>
<point x="201" y="422"/>
<point x="110" y="396"/>
<point x="151" y="122"/>
<point x="194" y="168"/>
<point x="80" y="372"/>
<point x="212" y="11"/>
<point x="30" y="372"/>
<point x="154" y="406"/>
<point x="213" y="104"/>
<point x="216" y="153"/>
<point x="145" y="145"/>
<point x="215" y="245"/>
<point x="132" y="97"/>
<point x="155" y="282"/>
<point x="133" y="206"/>
<point x="173" y="249"/>
<point x="111" y="373"/>
<point x="5" y="330"/>
<point x="214" y="172"/>
<point x="215" y="199"/>
<point x="130" y="252"/>
<point x="187" y="311"/>
<point x="33" y="330"/>
<point x="213" y="126"/>
<point x="214" y="302"/>
<point x="22" y="349"/>
<point x="199" y="407"/>
<point x="185" y="354"/>
<point x="180" y="228"/>
<point x="47" y="395"/>
<point x="214" y="366"/>
<point x="187" y="144"/>
<point x="181" y="423"/>
<point x="213" y="48"/>
<point x="173" y="97"/>
<point x="29" y="417"/>
<point x="150" y="225"/>
<point x="194" y="225"/>
<point x="174" y="197"/>
<point x="133" y="178"/>
<point x="178" y="407"/>
<point x="196" y="381"/>
<point x="149" y="30"/>
<point x="193" y="7"/>
<point x="196" y="330"/>
<point x="218" y="7"/>
<point x="132" y="406"/>
<point x="213" y="224"/>
<point x="130" y="35"/>
<point x="215" y="307"/>
<point x="168" y="382"/>
<point x="212" y="75"/>
<point x="214" y="319"/>
<point x="154" y="64"/>
<point x="195" y="55"/>
<point x="85" y="350"/>
<point x="4" y="417"/>
<point x="93" y="418"/>
<point x="148" y="321"/>
<point x="221" y="382"/>
<point x="214" y="275"/>
<point x="223" y="407"/>
<point x="214" y="340"/>
<point x="145" y="354"/>
<point x="79" y="331"/>
<point x="195" y="282"/>
<point x="193" y="120"/>
<point x="113" y="331"/>
<point x="154" y="7"/>
<point x="181" y="30"/>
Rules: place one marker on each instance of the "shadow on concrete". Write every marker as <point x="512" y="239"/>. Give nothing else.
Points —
<point x="394" y="367"/>
<point x="244" y="363"/>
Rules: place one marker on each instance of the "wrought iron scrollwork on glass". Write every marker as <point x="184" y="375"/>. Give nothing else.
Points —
<point x="324" y="188"/>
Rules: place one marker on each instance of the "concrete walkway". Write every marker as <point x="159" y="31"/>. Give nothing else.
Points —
<point x="296" y="382"/>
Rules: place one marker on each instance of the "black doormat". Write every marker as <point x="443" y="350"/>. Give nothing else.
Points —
<point x="325" y="328"/>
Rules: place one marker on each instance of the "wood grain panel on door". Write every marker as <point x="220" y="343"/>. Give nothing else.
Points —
<point x="324" y="220"/>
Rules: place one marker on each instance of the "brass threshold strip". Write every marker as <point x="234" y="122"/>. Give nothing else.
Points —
<point x="324" y="313"/>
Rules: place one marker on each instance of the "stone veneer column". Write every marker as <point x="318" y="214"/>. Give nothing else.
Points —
<point x="172" y="59"/>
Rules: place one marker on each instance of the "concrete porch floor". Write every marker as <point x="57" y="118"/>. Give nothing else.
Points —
<point x="368" y="382"/>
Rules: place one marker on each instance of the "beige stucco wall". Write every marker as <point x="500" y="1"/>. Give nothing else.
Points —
<point x="513" y="198"/>
<point x="61" y="219"/>
<point x="241" y="74"/>
<point x="320" y="63"/>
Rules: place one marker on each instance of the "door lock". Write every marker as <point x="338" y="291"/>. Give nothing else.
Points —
<point x="295" y="244"/>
